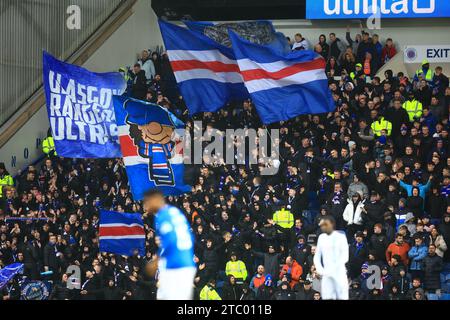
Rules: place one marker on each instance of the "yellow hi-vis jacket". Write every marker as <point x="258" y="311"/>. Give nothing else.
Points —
<point x="48" y="145"/>
<point x="381" y="124"/>
<point x="5" y="180"/>
<point x="237" y="269"/>
<point x="414" y="109"/>
<point x="208" y="293"/>
<point x="429" y="75"/>
<point x="284" y="218"/>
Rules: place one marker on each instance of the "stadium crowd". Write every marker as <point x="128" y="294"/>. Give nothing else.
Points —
<point x="379" y="165"/>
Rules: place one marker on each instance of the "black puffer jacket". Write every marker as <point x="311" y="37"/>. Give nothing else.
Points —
<point x="432" y="265"/>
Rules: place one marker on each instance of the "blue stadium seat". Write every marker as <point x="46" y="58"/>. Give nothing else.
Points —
<point x="446" y="268"/>
<point x="445" y="281"/>
<point x="432" y="296"/>
<point x="445" y="297"/>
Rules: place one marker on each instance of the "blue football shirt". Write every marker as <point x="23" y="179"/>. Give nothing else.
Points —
<point x="177" y="244"/>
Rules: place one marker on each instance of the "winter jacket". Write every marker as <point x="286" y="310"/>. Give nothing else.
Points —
<point x="444" y="230"/>
<point x="441" y="245"/>
<point x="61" y="292"/>
<point x="375" y="213"/>
<point x="148" y="67"/>
<point x="237" y="269"/>
<point x="422" y="294"/>
<point x="301" y="45"/>
<point x="295" y="271"/>
<point x="423" y="188"/>
<point x="387" y="54"/>
<point x="356" y="294"/>
<point x="352" y="215"/>
<point x="271" y="262"/>
<point x="284" y="295"/>
<point x="231" y="292"/>
<point x="337" y="49"/>
<point x="415" y="205"/>
<point x="209" y="293"/>
<point x="303" y="294"/>
<point x="378" y="243"/>
<point x="432" y="265"/>
<point x="264" y="293"/>
<point x="300" y="253"/>
<point x="401" y="250"/>
<point x="357" y="256"/>
<point x="256" y="282"/>
<point x="247" y="296"/>
<point x="403" y="284"/>
<point x="417" y="254"/>
<point x="211" y="259"/>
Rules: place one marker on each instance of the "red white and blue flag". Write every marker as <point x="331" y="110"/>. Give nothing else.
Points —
<point x="216" y="64"/>
<point x="283" y="86"/>
<point x="206" y="72"/>
<point x="121" y="233"/>
<point x="150" y="163"/>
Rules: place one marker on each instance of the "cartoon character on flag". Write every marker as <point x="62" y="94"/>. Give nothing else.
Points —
<point x="152" y="133"/>
<point x="152" y="144"/>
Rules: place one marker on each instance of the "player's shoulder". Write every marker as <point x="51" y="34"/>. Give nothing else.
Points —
<point x="172" y="214"/>
<point x="321" y="236"/>
<point x="173" y="210"/>
<point x="340" y="234"/>
<point x="168" y="211"/>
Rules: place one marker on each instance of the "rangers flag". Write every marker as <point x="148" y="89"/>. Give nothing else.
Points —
<point x="152" y="147"/>
<point x="283" y="86"/>
<point x="206" y="71"/>
<point x="121" y="233"/>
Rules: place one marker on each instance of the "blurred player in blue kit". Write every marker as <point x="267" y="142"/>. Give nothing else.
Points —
<point x="175" y="261"/>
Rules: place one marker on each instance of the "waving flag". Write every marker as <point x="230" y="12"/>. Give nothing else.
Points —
<point x="121" y="233"/>
<point x="283" y="86"/>
<point x="80" y="109"/>
<point x="257" y="32"/>
<point x="152" y="148"/>
<point x="8" y="272"/>
<point x="206" y="72"/>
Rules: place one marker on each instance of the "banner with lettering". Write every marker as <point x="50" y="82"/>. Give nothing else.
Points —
<point x="35" y="290"/>
<point x="432" y="53"/>
<point x="80" y="109"/>
<point x="384" y="9"/>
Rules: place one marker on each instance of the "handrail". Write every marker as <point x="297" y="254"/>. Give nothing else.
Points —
<point x="79" y="57"/>
<point x="396" y="64"/>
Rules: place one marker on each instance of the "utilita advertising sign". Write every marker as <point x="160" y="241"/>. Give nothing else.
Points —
<point x="360" y="9"/>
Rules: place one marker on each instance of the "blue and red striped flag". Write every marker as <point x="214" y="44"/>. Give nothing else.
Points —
<point x="283" y="85"/>
<point x="152" y="147"/>
<point x="206" y="71"/>
<point x="121" y="233"/>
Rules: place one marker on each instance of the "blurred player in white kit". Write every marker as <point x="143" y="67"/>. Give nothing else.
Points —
<point x="330" y="259"/>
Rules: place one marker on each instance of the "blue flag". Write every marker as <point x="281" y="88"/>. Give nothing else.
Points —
<point x="8" y="272"/>
<point x="80" y="109"/>
<point x="206" y="72"/>
<point x="121" y="233"/>
<point x="283" y="85"/>
<point x="152" y="148"/>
